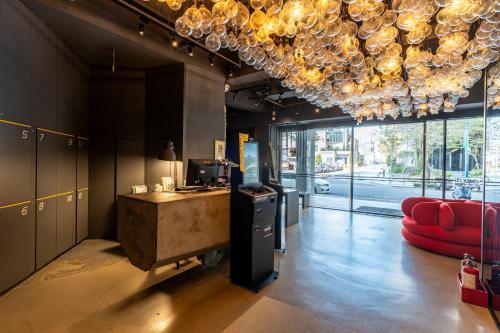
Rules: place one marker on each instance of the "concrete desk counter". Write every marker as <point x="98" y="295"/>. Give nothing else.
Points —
<point x="160" y="228"/>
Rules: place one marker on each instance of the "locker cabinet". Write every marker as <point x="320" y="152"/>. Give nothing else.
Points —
<point x="82" y="167"/>
<point x="46" y="231"/>
<point x="15" y="61"/>
<point x="66" y="222"/>
<point x="16" y="167"/>
<point x="66" y="163"/>
<point x="82" y="215"/>
<point x="82" y="183"/>
<point x="46" y="162"/>
<point x="17" y="244"/>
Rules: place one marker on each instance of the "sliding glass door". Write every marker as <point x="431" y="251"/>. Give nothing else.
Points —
<point x="387" y="167"/>
<point x="373" y="168"/>
<point x="434" y="158"/>
<point x="464" y="165"/>
<point x="288" y="159"/>
<point x="331" y="181"/>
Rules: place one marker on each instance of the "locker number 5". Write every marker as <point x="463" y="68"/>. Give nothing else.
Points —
<point x="24" y="134"/>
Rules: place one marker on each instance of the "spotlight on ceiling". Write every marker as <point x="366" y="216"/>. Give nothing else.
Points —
<point x="142" y="25"/>
<point x="174" y="42"/>
<point x="211" y="60"/>
<point x="273" y="116"/>
<point x="317" y="110"/>
<point x="190" y="50"/>
<point x="230" y="72"/>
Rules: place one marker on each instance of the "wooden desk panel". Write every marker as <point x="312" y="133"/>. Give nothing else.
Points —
<point x="162" y="228"/>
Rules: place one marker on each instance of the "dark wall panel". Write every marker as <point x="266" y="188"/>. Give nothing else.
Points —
<point x="82" y="215"/>
<point x="46" y="231"/>
<point x="66" y="222"/>
<point x="102" y="189"/>
<point x="17" y="244"/>
<point x="16" y="163"/>
<point x="14" y="61"/>
<point x="46" y="161"/>
<point x="129" y="165"/>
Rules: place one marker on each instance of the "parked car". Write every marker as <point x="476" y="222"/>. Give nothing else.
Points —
<point x="321" y="186"/>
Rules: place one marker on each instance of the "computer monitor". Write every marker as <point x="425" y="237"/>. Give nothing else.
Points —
<point x="202" y="172"/>
<point x="251" y="163"/>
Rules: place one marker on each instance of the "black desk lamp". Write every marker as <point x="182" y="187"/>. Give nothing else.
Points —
<point x="168" y="154"/>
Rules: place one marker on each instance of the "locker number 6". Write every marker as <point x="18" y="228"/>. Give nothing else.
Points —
<point x="24" y="211"/>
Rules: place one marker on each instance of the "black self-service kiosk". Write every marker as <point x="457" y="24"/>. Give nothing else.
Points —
<point x="270" y="181"/>
<point x="253" y="211"/>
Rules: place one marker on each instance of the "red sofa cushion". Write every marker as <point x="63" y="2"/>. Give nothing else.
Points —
<point x="408" y="204"/>
<point x="446" y="217"/>
<point x="426" y="212"/>
<point x="459" y="235"/>
<point x="466" y="214"/>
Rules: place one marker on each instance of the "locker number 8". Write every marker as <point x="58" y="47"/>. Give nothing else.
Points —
<point x="24" y="211"/>
<point x="70" y="141"/>
<point x="40" y="206"/>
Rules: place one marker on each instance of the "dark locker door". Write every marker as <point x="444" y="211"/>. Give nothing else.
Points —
<point x="46" y="163"/>
<point x="15" y="61"/>
<point x="82" y="184"/>
<point x="16" y="168"/>
<point x="46" y="230"/>
<point x="66" y="222"/>
<point x="66" y="163"/>
<point x="17" y="243"/>
<point x="82" y="215"/>
<point x="66" y="188"/>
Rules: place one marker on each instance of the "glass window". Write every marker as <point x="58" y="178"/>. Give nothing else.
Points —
<point x="387" y="167"/>
<point x="492" y="187"/>
<point x="434" y="140"/>
<point x="288" y="158"/>
<point x="331" y="183"/>
<point x="464" y="167"/>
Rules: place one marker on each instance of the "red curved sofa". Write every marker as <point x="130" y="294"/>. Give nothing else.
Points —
<point x="449" y="227"/>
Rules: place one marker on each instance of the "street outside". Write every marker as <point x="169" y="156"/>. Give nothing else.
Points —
<point x="370" y="188"/>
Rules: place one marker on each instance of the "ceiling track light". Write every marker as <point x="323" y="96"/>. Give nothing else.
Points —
<point x="230" y="73"/>
<point x="211" y="60"/>
<point x="142" y="25"/>
<point x="190" y="50"/>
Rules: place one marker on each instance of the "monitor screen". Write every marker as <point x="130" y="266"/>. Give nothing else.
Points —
<point x="202" y="172"/>
<point x="251" y="163"/>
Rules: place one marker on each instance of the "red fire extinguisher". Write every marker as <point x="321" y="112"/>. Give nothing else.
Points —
<point x="470" y="275"/>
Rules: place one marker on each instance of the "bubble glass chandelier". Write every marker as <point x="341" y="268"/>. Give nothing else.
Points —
<point x="369" y="57"/>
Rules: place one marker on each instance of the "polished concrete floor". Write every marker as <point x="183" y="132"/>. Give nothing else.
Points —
<point x="343" y="272"/>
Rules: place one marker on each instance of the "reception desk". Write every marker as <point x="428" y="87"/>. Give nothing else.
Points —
<point x="160" y="228"/>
